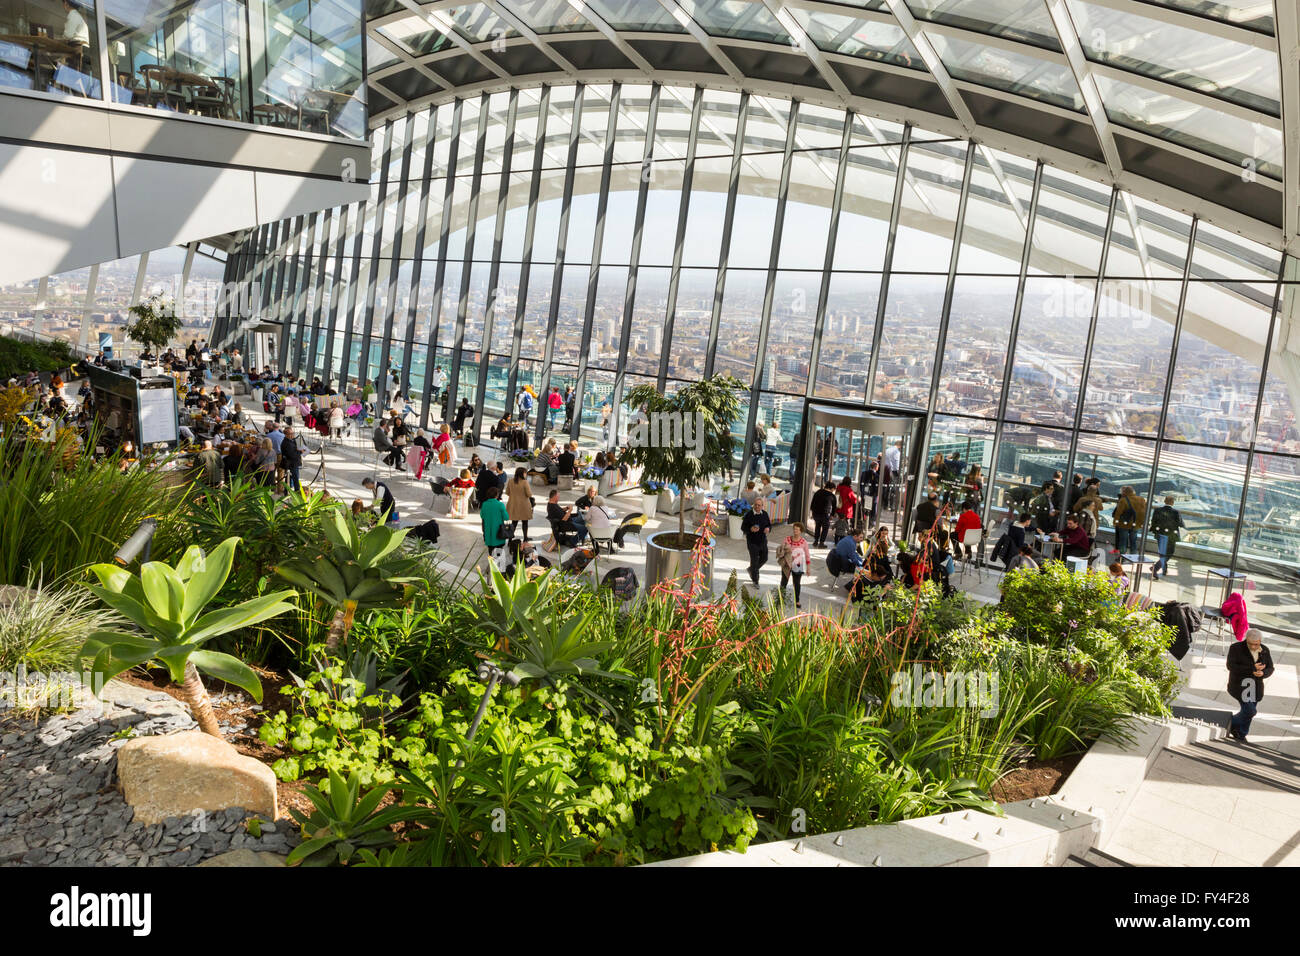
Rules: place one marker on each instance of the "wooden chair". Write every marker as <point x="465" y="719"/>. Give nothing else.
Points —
<point x="159" y="91"/>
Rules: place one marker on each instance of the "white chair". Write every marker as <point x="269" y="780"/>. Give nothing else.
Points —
<point x="972" y="547"/>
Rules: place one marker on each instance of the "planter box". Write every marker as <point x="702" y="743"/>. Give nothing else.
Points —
<point x="733" y="527"/>
<point x="649" y="504"/>
<point x="664" y="563"/>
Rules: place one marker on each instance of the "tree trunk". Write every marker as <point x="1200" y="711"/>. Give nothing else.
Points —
<point x="197" y="698"/>
<point x="340" y="625"/>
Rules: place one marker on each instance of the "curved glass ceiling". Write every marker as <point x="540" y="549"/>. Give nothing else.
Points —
<point x="1186" y="94"/>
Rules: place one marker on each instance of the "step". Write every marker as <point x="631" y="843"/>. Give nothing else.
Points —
<point x="1095" y="857"/>
<point x="1261" y="764"/>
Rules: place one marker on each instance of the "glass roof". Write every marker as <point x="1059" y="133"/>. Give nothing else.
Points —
<point x="1204" y="76"/>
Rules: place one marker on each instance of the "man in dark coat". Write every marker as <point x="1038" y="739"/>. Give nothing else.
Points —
<point x="1249" y="664"/>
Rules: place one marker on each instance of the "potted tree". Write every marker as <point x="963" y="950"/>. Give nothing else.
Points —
<point x="698" y="444"/>
<point x="155" y="323"/>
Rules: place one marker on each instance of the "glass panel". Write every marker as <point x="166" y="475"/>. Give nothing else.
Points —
<point x="976" y="348"/>
<point x="1028" y="457"/>
<point x="931" y="198"/>
<point x="742" y="311"/>
<point x="852" y="36"/>
<point x="1194" y="58"/>
<point x="865" y="208"/>
<point x="794" y="309"/>
<point x="620" y="214"/>
<point x="479" y="24"/>
<point x="1026" y="20"/>
<point x="737" y="19"/>
<point x="415" y="35"/>
<point x="536" y="311"/>
<point x="646" y="343"/>
<point x="781" y="416"/>
<point x="719" y="113"/>
<point x="751" y="233"/>
<point x="1020" y="73"/>
<point x="1147" y="240"/>
<point x="997" y="213"/>
<point x="1278" y="429"/>
<point x="1049" y="350"/>
<point x="847" y="335"/>
<point x="1071" y="226"/>
<point x="708" y="207"/>
<point x="306" y="65"/>
<point x="636" y="15"/>
<point x="1135" y="332"/>
<point x="50" y="47"/>
<point x="607" y="317"/>
<point x="573" y="302"/>
<point x="185" y="58"/>
<point x="1223" y="255"/>
<point x="808" y="210"/>
<point x="1205" y="484"/>
<point x="692" y="317"/>
<point x="663" y="202"/>
<point x="1233" y="138"/>
<point x="113" y="296"/>
<point x="549" y="16"/>
<point x="907" y="345"/>
<point x="971" y="440"/>
<point x="1220" y="352"/>
<point x="1256" y="14"/>
<point x="1114" y="462"/>
<point x="1269" y="551"/>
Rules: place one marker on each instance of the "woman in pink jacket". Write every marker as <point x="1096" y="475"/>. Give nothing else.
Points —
<point x="795" y="559"/>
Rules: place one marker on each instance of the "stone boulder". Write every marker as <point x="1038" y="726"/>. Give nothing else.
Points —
<point x="177" y="774"/>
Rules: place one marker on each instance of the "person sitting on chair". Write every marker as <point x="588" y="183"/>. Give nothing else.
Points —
<point x="846" y="555"/>
<point x="1075" y="538"/>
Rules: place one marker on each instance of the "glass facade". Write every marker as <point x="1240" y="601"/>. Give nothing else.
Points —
<point x="295" y="64"/>
<point x="553" y="238"/>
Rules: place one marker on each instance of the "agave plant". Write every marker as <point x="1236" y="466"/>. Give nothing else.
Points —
<point x="358" y="573"/>
<point x="167" y="605"/>
<point x="537" y="638"/>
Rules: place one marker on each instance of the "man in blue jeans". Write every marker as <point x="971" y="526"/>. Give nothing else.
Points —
<point x="1249" y="665"/>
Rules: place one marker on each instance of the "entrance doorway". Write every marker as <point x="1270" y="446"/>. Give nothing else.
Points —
<point x="842" y="440"/>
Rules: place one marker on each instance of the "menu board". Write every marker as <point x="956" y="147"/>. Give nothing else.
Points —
<point x="157" y="415"/>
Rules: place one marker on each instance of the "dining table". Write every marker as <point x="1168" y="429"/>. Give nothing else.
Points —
<point x="51" y="47"/>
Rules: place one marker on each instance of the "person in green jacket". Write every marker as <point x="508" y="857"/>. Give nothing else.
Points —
<point x="494" y="517"/>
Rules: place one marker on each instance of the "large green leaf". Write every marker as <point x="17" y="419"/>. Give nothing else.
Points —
<point x="229" y="669"/>
<point x="207" y="576"/>
<point x="223" y="621"/>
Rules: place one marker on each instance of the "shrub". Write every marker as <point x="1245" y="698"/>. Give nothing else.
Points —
<point x="18" y="357"/>
<point x="44" y="628"/>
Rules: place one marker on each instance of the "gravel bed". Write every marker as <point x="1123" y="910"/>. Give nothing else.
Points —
<point x="59" y="801"/>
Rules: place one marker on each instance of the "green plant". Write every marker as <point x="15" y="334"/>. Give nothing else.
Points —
<point x="359" y="571"/>
<point x="343" y="821"/>
<point x="43" y="628"/>
<point x="60" y="519"/>
<point x="18" y="357"/>
<point x="712" y="404"/>
<point x="155" y="322"/>
<point x="167" y="604"/>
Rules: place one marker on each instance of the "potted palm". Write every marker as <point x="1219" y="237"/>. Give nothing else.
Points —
<point x="702" y="413"/>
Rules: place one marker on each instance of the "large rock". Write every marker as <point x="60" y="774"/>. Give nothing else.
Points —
<point x="245" y="858"/>
<point x="177" y="774"/>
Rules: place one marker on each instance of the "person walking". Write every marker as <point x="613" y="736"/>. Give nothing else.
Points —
<point x="494" y="517"/>
<point x="1166" y="523"/>
<point x="1249" y="663"/>
<point x="757" y="448"/>
<point x="554" y="402"/>
<point x="1129" y="515"/>
<point x="519" y="501"/>
<point x="756" y="526"/>
<point x="795" y="558"/>
<point x="824" y="503"/>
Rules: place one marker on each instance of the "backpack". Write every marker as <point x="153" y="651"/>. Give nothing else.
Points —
<point x="578" y="560"/>
<point x="622" y="581"/>
<point x="469" y="441"/>
<point x="444" y="453"/>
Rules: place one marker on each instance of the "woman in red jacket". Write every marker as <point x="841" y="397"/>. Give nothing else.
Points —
<point x="848" y="500"/>
<point x="968" y="520"/>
